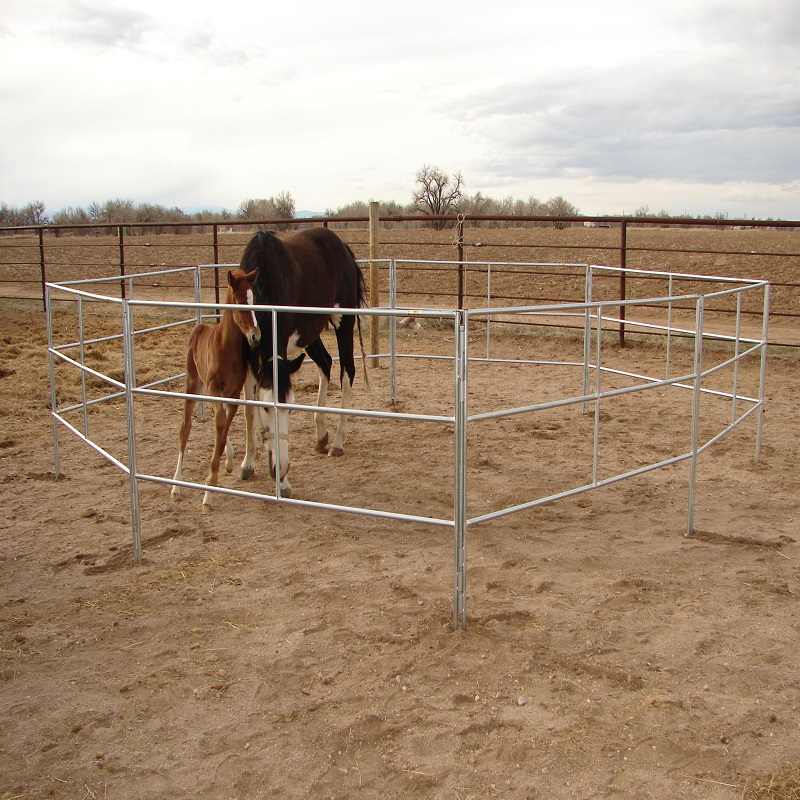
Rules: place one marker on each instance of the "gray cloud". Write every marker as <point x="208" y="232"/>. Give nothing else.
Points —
<point x="102" y="26"/>
<point x="708" y="118"/>
<point x="763" y="26"/>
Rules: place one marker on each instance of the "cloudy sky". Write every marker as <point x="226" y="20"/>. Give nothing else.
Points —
<point x="684" y="105"/>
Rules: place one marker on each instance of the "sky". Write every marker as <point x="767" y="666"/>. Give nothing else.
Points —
<point x="684" y="106"/>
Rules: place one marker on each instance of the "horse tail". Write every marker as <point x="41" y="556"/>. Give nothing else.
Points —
<point x="361" y="302"/>
<point x="363" y="354"/>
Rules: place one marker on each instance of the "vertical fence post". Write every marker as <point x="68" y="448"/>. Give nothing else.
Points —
<point x="130" y="385"/>
<point x="374" y="281"/>
<point x="623" y="260"/>
<point x="42" y="267"/>
<point x="698" y="369"/>
<point x="460" y="243"/>
<point x="216" y="261"/>
<point x="460" y="475"/>
<point x="393" y="333"/>
<point x="587" y="335"/>
<point x="121" y="237"/>
<point x="198" y="315"/>
<point x="52" y="372"/>
<point x="763" y="372"/>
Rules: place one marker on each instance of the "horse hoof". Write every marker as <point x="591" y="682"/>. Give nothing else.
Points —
<point x="336" y="451"/>
<point x="207" y="508"/>
<point x="246" y="473"/>
<point x="322" y="444"/>
<point x="175" y="494"/>
<point x="287" y="492"/>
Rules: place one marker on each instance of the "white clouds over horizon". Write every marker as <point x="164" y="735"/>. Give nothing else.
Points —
<point x="689" y="105"/>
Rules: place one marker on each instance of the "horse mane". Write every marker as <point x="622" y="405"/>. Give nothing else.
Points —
<point x="266" y="253"/>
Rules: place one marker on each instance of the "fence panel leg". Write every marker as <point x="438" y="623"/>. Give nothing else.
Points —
<point x="460" y="476"/>
<point x="130" y="385"/>
<point x="698" y="369"/>
<point x="53" y="394"/>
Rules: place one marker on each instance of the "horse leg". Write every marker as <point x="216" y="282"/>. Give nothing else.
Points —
<point x="192" y="385"/>
<point x="223" y="415"/>
<point x="319" y="417"/>
<point x="321" y="357"/>
<point x="337" y="448"/>
<point x="344" y="339"/>
<point x="248" y="465"/>
<point x="230" y="452"/>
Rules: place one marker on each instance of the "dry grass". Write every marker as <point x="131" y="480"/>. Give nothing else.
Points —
<point x="781" y="785"/>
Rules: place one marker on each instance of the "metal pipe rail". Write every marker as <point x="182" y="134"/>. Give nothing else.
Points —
<point x="461" y="420"/>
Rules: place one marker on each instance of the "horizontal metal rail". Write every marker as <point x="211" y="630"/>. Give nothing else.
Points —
<point x="591" y="311"/>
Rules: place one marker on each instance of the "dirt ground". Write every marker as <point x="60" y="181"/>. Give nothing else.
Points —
<point x="286" y="651"/>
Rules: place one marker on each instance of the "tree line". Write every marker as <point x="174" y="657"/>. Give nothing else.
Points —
<point x="435" y="193"/>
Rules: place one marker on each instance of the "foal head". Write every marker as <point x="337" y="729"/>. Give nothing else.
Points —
<point x="240" y="293"/>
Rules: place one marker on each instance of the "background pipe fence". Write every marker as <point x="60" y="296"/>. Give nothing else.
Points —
<point x="770" y="250"/>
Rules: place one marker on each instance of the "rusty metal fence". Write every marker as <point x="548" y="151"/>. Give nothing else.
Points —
<point x="769" y="250"/>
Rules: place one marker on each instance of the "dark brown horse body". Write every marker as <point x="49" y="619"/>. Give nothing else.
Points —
<point x="310" y="268"/>
<point x="216" y="358"/>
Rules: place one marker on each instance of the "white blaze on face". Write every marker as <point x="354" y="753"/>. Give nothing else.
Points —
<point x="268" y="428"/>
<point x="251" y="302"/>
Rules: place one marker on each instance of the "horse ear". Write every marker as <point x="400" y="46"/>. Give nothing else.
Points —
<point x="230" y="279"/>
<point x="251" y="276"/>
<point x="295" y="363"/>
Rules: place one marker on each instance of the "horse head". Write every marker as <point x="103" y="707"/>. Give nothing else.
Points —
<point x="240" y="293"/>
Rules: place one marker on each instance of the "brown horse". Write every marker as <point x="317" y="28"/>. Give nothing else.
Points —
<point x="313" y="268"/>
<point x="217" y="358"/>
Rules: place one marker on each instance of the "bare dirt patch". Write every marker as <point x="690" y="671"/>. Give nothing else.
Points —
<point x="270" y="651"/>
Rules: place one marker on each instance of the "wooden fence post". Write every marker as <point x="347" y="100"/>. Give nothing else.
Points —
<point x="121" y="236"/>
<point x="42" y="267"/>
<point x="374" y="283"/>
<point x="623" y="260"/>
<point x="216" y="261"/>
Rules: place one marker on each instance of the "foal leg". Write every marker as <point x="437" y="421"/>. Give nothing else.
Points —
<point x="186" y="428"/>
<point x="223" y="416"/>
<point x="192" y="385"/>
<point x="248" y="465"/>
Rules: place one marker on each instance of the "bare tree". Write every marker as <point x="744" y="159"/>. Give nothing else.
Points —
<point x="284" y="205"/>
<point x="559" y="207"/>
<point x="34" y="212"/>
<point x="436" y="193"/>
<point x="279" y="207"/>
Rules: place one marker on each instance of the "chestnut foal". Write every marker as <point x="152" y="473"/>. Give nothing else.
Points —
<point x="217" y="358"/>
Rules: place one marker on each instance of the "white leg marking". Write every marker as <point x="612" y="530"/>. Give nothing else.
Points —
<point x="251" y="302"/>
<point x="178" y="476"/>
<point x="229" y="454"/>
<point x="281" y="458"/>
